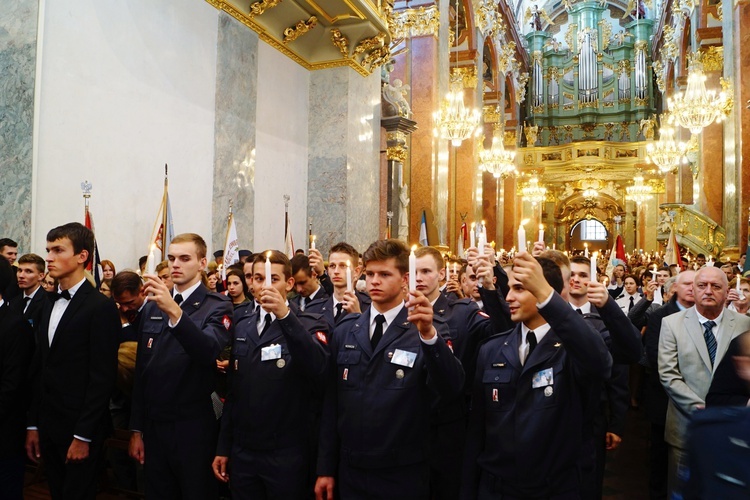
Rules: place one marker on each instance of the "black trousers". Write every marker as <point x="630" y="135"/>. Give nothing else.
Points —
<point x="446" y="459"/>
<point x="72" y="480"/>
<point x="403" y="482"/>
<point x="12" y="469"/>
<point x="178" y="457"/>
<point x="270" y="474"/>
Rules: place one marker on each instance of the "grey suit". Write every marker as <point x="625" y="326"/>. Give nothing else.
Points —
<point x="685" y="368"/>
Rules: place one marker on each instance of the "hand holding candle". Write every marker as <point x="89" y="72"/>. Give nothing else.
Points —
<point x="522" y="236"/>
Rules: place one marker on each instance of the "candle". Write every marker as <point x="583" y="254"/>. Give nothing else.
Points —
<point x="522" y="236"/>
<point x="585" y="249"/>
<point x="482" y="242"/>
<point x="541" y="233"/>
<point x="268" y="268"/>
<point x="447" y="271"/>
<point x="473" y="235"/>
<point x="312" y="243"/>
<point x="349" y="276"/>
<point x="594" y="272"/>
<point x="654" y="273"/>
<point x="455" y="271"/>
<point x="553" y="246"/>
<point x="151" y="260"/>
<point x="412" y="269"/>
<point x="737" y="287"/>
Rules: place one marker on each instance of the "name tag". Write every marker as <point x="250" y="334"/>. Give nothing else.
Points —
<point x="542" y="378"/>
<point x="404" y="358"/>
<point x="240" y="339"/>
<point x="272" y="351"/>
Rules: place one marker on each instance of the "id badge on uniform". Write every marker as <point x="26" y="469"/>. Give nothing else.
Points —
<point x="272" y="351"/>
<point x="404" y="358"/>
<point x="542" y="378"/>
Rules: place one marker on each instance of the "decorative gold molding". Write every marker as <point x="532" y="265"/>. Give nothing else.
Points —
<point x="728" y="88"/>
<point x="506" y="57"/>
<point x="521" y="80"/>
<point x="415" y="22"/>
<point x="570" y="36"/>
<point x="397" y="153"/>
<point x="712" y="58"/>
<point x="491" y="114"/>
<point x="368" y="44"/>
<point x="340" y="41"/>
<point x="466" y="75"/>
<point x="258" y="8"/>
<point x="299" y="29"/>
<point x="488" y="19"/>
<point x="606" y="33"/>
<point x="510" y="138"/>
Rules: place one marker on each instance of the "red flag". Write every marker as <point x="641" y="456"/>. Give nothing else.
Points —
<point x="620" y="249"/>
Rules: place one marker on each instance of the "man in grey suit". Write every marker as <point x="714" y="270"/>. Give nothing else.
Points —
<point x="691" y="345"/>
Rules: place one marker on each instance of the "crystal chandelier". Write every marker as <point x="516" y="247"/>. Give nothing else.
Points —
<point x="533" y="192"/>
<point x="638" y="192"/>
<point x="497" y="160"/>
<point x="696" y="107"/>
<point x="666" y="153"/>
<point x="454" y="121"/>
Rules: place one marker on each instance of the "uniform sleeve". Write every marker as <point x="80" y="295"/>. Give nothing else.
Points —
<point x="446" y="375"/>
<point x="475" y="436"/>
<point x="618" y="398"/>
<point x="627" y="345"/>
<point x="307" y="343"/>
<point x="328" y="443"/>
<point x="204" y="344"/>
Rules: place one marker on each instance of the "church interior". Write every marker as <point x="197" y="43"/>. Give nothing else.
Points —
<point x="365" y="119"/>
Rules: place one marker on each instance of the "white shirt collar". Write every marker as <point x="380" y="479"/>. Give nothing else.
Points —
<point x="31" y="295"/>
<point x="585" y="308"/>
<point x="390" y="315"/>
<point x="702" y="319"/>
<point x="312" y="295"/>
<point x="72" y="290"/>
<point x="187" y="293"/>
<point x="539" y="331"/>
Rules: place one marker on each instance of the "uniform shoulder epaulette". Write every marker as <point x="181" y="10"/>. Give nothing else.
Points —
<point x="464" y="302"/>
<point x="497" y="336"/>
<point x="348" y="317"/>
<point x="594" y="315"/>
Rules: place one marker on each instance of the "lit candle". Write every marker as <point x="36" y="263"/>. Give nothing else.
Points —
<point x="482" y="242"/>
<point x="522" y="236"/>
<point x="151" y="260"/>
<point x="268" y="268"/>
<point x="585" y="249"/>
<point x="654" y="273"/>
<point x="541" y="233"/>
<point x="312" y="243"/>
<point x="594" y="273"/>
<point x="473" y="235"/>
<point x="455" y="271"/>
<point x="737" y="287"/>
<point x="349" y="276"/>
<point x="447" y="271"/>
<point x="412" y="269"/>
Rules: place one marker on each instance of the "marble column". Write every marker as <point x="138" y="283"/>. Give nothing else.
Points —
<point x="18" y="31"/>
<point x="711" y="175"/>
<point x="234" y="129"/>
<point x="344" y="157"/>
<point x="737" y="65"/>
<point x="397" y="130"/>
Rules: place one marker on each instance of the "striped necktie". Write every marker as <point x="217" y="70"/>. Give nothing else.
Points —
<point x="708" y="335"/>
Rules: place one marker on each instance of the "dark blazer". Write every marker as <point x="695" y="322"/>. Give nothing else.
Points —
<point x="74" y="377"/>
<point x="655" y="396"/>
<point x="34" y="312"/>
<point x="175" y="367"/>
<point x="316" y="304"/>
<point x="727" y="388"/>
<point x="16" y="347"/>
<point x="328" y="310"/>
<point x="627" y="346"/>
<point x="530" y="438"/>
<point x="376" y="413"/>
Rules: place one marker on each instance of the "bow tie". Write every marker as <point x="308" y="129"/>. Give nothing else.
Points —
<point x="65" y="294"/>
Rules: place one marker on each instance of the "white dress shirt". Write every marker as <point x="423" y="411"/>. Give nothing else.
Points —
<point x="59" y="309"/>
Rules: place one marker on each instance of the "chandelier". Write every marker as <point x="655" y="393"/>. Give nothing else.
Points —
<point x="454" y="121"/>
<point x="497" y="160"/>
<point x="666" y="153"/>
<point x="533" y="192"/>
<point x="638" y="192"/>
<point x="696" y="107"/>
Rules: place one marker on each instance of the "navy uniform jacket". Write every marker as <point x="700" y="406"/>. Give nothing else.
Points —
<point x="328" y="310"/>
<point x="315" y="304"/>
<point x="727" y="388"/>
<point x="530" y="438"/>
<point x="269" y="404"/>
<point x="376" y="413"/>
<point x="175" y="367"/>
<point x="626" y="346"/>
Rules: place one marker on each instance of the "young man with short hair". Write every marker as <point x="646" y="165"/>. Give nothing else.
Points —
<point x="162" y="270"/>
<point x="75" y="366"/>
<point x="311" y="296"/>
<point x="8" y="250"/>
<point x="181" y="335"/>
<point x="342" y="301"/>
<point x="276" y="373"/>
<point x="29" y="274"/>
<point x="390" y="365"/>
<point x="127" y="291"/>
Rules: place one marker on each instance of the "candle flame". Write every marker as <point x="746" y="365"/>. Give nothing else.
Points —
<point x="268" y="254"/>
<point x="541" y="227"/>
<point x="348" y="263"/>
<point x="524" y="222"/>
<point x="413" y="247"/>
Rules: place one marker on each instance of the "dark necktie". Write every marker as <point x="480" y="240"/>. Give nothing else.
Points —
<point x="178" y="298"/>
<point x="531" y="339"/>
<point x="26" y="301"/>
<point x="378" y="333"/>
<point x="266" y="323"/>
<point x="708" y="335"/>
<point x="304" y="302"/>
<point x="632" y="300"/>
<point x="579" y="312"/>
<point x="339" y="309"/>
<point x="65" y="294"/>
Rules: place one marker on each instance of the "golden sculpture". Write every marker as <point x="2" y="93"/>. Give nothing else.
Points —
<point x="299" y="29"/>
<point x="340" y="41"/>
<point x="258" y="8"/>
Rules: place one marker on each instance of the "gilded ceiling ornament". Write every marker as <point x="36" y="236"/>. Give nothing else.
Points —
<point x="340" y="41"/>
<point x="712" y="58"/>
<point x="396" y="153"/>
<point x="369" y="44"/>
<point x="414" y="22"/>
<point x="606" y="33"/>
<point x="258" y="8"/>
<point x="299" y="29"/>
<point x="522" y="80"/>
<point x="466" y="75"/>
<point x="488" y="18"/>
<point x="728" y="88"/>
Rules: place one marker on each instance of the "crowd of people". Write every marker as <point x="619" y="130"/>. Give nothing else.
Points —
<point x="374" y="375"/>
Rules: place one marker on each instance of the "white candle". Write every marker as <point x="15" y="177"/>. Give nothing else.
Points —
<point x="312" y="243"/>
<point x="654" y="273"/>
<point x="541" y="233"/>
<point x="151" y="260"/>
<point x="412" y="269"/>
<point x="349" y="276"/>
<point x="521" y="238"/>
<point x="594" y="273"/>
<point x="585" y="249"/>
<point x="482" y="242"/>
<point x="454" y="268"/>
<point x="268" y="268"/>
<point x="473" y="235"/>
<point x="553" y="246"/>
<point x="447" y="271"/>
<point x="737" y="287"/>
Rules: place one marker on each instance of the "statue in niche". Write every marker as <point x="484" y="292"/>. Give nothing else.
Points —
<point x="395" y="99"/>
<point x="647" y="127"/>
<point x="403" y="213"/>
<point x="531" y="132"/>
<point x="567" y="190"/>
<point x="534" y="16"/>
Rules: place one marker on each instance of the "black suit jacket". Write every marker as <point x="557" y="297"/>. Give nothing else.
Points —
<point x="727" y="388"/>
<point x="16" y="346"/>
<point x="74" y="377"/>
<point x="34" y="312"/>
<point x="656" y="397"/>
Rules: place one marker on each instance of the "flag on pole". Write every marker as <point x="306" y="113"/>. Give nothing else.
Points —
<point x="231" y="247"/>
<point x="673" y="255"/>
<point x="423" y="230"/>
<point x="746" y="267"/>
<point x="288" y="240"/>
<point x="95" y="263"/>
<point x="616" y="256"/>
<point x="163" y="231"/>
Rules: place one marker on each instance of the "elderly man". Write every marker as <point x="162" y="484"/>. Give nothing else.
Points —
<point x="692" y="343"/>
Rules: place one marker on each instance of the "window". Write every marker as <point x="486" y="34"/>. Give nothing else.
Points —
<point x="593" y="230"/>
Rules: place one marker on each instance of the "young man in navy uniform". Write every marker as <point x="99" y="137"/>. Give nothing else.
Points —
<point x="75" y="366"/>
<point x="279" y="360"/>
<point x="182" y="332"/>
<point x="526" y="420"/>
<point x="390" y="365"/>
<point x="311" y="296"/>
